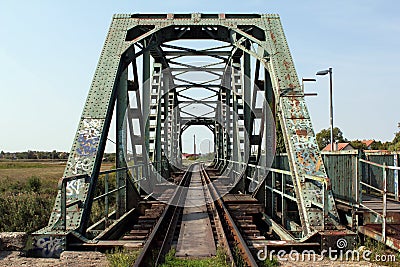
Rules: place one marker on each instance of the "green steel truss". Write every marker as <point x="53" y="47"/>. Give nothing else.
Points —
<point x="156" y="99"/>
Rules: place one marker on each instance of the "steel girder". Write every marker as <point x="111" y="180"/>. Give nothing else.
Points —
<point x="134" y="35"/>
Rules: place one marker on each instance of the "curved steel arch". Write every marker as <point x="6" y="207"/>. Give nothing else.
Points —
<point x="109" y="86"/>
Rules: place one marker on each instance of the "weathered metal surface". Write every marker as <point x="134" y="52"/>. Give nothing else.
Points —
<point x="339" y="240"/>
<point x="342" y="169"/>
<point x="375" y="231"/>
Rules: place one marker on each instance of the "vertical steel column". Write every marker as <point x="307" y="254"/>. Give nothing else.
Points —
<point x="226" y="115"/>
<point x="247" y="113"/>
<point x="146" y="111"/>
<point x="166" y="112"/>
<point x="269" y="97"/>
<point x="158" y="149"/>
<point x="177" y="139"/>
<point x="121" y="141"/>
<point x="236" y="140"/>
<point x="217" y="131"/>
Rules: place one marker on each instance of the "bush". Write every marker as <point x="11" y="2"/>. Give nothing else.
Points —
<point x="25" y="212"/>
<point x="34" y="184"/>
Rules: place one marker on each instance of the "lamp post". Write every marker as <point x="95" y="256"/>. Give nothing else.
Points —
<point x="322" y="73"/>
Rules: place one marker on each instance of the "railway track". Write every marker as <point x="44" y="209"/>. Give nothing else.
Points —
<point x="193" y="224"/>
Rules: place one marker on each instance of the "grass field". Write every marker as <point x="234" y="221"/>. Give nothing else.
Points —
<point x="27" y="193"/>
<point x="16" y="174"/>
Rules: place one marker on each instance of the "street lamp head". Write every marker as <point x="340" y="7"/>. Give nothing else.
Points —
<point x="322" y="72"/>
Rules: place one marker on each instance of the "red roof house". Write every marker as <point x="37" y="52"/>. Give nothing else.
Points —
<point x="338" y="147"/>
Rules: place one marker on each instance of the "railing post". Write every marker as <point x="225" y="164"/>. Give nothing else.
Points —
<point x="283" y="200"/>
<point x="106" y="199"/>
<point x="137" y="177"/>
<point x="384" y="203"/>
<point x="272" y="194"/>
<point x="358" y="190"/>
<point x="357" y="184"/>
<point x="396" y="176"/>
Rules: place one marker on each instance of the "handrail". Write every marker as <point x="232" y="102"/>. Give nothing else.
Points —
<point x="326" y="181"/>
<point x="380" y="165"/>
<point x="307" y="176"/>
<point x="62" y="186"/>
<point x="372" y="187"/>
<point x="383" y="191"/>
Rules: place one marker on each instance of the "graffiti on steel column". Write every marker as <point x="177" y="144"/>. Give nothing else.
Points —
<point x="49" y="246"/>
<point x="87" y="142"/>
<point x="88" y="138"/>
<point x="79" y="165"/>
<point x="74" y="186"/>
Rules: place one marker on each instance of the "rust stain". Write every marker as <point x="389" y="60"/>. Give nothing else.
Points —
<point x="318" y="165"/>
<point x="286" y="64"/>
<point x="301" y="132"/>
<point x="273" y="37"/>
<point x="328" y="184"/>
<point x="300" y="158"/>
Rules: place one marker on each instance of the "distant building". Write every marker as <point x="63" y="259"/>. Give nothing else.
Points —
<point x="338" y="147"/>
<point x="368" y="143"/>
<point x="187" y="155"/>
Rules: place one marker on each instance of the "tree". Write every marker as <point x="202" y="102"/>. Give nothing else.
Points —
<point x="378" y="145"/>
<point x="324" y="137"/>
<point x="395" y="145"/>
<point x="54" y="155"/>
<point x="358" y="144"/>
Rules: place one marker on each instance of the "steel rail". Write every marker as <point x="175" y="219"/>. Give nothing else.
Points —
<point x="168" y="217"/>
<point x="163" y="232"/>
<point x="221" y="235"/>
<point x="240" y="242"/>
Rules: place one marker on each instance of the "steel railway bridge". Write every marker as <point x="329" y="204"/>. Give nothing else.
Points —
<point x="158" y="75"/>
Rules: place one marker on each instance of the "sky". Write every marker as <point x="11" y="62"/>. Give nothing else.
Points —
<point x="49" y="51"/>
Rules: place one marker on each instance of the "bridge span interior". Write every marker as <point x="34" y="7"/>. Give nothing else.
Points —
<point x="158" y="75"/>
